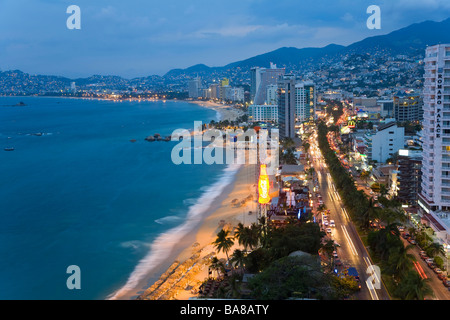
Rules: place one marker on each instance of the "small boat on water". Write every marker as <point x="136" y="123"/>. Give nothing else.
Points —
<point x="9" y="149"/>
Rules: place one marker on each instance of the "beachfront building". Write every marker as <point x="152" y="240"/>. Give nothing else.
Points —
<point x="195" y="88"/>
<point x="434" y="199"/>
<point x="260" y="79"/>
<point x="235" y="94"/>
<point x="263" y="113"/>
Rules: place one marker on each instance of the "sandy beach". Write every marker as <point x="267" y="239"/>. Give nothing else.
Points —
<point x="226" y="112"/>
<point x="181" y="276"/>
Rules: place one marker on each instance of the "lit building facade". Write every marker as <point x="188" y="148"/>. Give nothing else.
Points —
<point x="434" y="199"/>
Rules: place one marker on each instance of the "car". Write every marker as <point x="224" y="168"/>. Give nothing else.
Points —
<point x="405" y="235"/>
<point x="325" y="223"/>
<point x="424" y="257"/>
<point x="446" y="283"/>
<point x="335" y="255"/>
<point x="437" y="270"/>
<point x="431" y="265"/>
<point x="332" y="224"/>
<point x="400" y="228"/>
<point x="338" y="262"/>
<point x="422" y="253"/>
<point x="429" y="260"/>
<point x="412" y="241"/>
<point x="329" y="230"/>
<point x="442" y="276"/>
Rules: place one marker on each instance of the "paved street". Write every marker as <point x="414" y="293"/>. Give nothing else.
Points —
<point x="351" y="252"/>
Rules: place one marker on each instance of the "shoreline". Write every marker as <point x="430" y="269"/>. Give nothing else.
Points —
<point x="224" y="111"/>
<point x="187" y="265"/>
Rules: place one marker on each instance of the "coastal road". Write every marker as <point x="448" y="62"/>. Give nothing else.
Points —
<point x="352" y="251"/>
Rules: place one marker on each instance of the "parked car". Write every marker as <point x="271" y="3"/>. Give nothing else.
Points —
<point x="422" y="253"/>
<point x="442" y="276"/>
<point x="400" y="228"/>
<point x="335" y="255"/>
<point x="332" y="223"/>
<point x="412" y="241"/>
<point x="405" y="235"/>
<point x="329" y="230"/>
<point x="437" y="270"/>
<point x="446" y="283"/>
<point x="429" y="260"/>
<point x="338" y="262"/>
<point x="431" y="265"/>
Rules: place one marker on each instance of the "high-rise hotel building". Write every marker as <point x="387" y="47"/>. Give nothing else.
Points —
<point x="434" y="199"/>
<point x="286" y="106"/>
<point x="261" y="78"/>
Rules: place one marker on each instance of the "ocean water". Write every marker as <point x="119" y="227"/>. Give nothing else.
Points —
<point x="83" y="194"/>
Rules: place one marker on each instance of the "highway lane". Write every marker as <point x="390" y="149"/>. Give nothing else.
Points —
<point x="351" y="251"/>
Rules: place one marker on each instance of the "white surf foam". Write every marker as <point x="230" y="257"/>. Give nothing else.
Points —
<point x="162" y="246"/>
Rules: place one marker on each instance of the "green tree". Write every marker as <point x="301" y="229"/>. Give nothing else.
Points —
<point x="434" y="249"/>
<point x="400" y="261"/>
<point x="217" y="266"/>
<point x="299" y="276"/>
<point x="238" y="258"/>
<point x="223" y="242"/>
<point x="413" y="287"/>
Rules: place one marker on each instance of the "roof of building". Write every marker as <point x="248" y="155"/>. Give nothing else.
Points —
<point x="385" y="126"/>
<point x="433" y="220"/>
<point x="292" y="169"/>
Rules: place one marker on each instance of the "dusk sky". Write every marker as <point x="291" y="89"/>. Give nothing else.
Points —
<point x="143" y="37"/>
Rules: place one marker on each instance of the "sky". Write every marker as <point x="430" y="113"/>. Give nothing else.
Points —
<point x="136" y="38"/>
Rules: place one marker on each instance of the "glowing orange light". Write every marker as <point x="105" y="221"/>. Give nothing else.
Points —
<point x="263" y="186"/>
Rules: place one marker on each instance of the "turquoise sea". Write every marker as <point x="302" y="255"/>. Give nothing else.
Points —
<point x="77" y="191"/>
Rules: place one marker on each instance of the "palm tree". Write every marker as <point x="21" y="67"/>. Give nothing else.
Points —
<point x="247" y="236"/>
<point x="254" y="235"/>
<point x="370" y="213"/>
<point x="223" y="242"/>
<point x="238" y="258"/>
<point x="217" y="265"/>
<point x="413" y="287"/>
<point x="401" y="261"/>
<point x="239" y="233"/>
<point x="434" y="249"/>
<point x="287" y="143"/>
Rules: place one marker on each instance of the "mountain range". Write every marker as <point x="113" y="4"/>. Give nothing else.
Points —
<point x="410" y="40"/>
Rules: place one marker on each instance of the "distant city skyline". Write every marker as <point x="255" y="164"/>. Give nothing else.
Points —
<point x="146" y="38"/>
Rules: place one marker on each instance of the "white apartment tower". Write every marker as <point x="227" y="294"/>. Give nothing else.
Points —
<point x="435" y="195"/>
